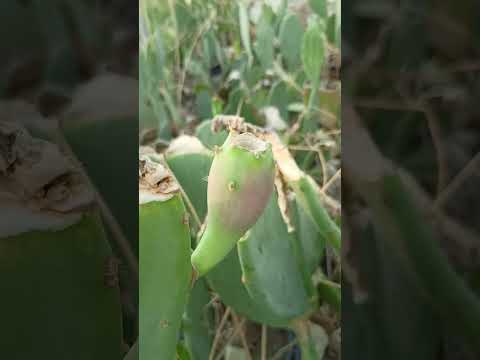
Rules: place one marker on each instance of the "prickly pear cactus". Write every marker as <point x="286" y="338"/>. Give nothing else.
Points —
<point x="165" y="269"/>
<point x="58" y="276"/>
<point x="270" y="273"/>
<point x="263" y="268"/>
<point x="240" y="184"/>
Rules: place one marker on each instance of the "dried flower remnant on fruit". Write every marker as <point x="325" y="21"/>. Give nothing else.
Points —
<point x="155" y="183"/>
<point x="236" y="124"/>
<point x="249" y="142"/>
<point x="41" y="186"/>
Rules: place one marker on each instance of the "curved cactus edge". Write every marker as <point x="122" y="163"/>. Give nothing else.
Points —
<point x="306" y="190"/>
<point x="409" y="233"/>
<point x="185" y="197"/>
<point x="309" y="198"/>
<point x="416" y="237"/>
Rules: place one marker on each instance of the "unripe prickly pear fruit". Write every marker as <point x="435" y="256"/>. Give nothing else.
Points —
<point x="240" y="183"/>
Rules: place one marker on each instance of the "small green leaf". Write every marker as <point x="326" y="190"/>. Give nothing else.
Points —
<point x="182" y="352"/>
<point x="320" y="7"/>
<point x="296" y="107"/>
<point x="217" y="106"/>
<point x="245" y="28"/>
<point x="291" y="32"/>
<point x="204" y="104"/>
<point x="198" y="322"/>
<point x="332" y="28"/>
<point x="313" y="52"/>
<point x="264" y="45"/>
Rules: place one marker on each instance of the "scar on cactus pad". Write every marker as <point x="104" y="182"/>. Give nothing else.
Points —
<point x="51" y="235"/>
<point x="39" y="183"/>
<point x="240" y="184"/>
<point x="155" y="182"/>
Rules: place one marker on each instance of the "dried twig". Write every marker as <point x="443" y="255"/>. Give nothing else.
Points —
<point x="218" y="333"/>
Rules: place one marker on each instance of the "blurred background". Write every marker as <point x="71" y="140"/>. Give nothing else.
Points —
<point x="411" y="79"/>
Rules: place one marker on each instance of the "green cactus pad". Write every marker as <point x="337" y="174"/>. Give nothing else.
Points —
<point x="191" y="170"/>
<point x="308" y="197"/>
<point x="165" y="269"/>
<point x="198" y="322"/>
<point x="310" y="241"/>
<point x="209" y="138"/>
<point x="58" y="277"/>
<point x="271" y="272"/>
<point x="59" y="294"/>
<point x="94" y="142"/>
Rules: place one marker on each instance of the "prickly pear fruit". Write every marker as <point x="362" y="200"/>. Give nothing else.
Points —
<point x="165" y="269"/>
<point x="240" y="183"/>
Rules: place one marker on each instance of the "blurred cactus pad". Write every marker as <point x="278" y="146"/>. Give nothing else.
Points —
<point x="54" y="252"/>
<point x="241" y="101"/>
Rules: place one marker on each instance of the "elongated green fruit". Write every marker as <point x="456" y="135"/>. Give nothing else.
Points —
<point x="58" y="277"/>
<point x="240" y="184"/>
<point x="165" y="269"/>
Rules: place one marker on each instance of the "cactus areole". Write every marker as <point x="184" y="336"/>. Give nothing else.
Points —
<point x="240" y="184"/>
<point x="41" y="188"/>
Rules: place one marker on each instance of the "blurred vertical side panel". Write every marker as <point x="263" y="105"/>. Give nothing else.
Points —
<point x="68" y="179"/>
<point x="411" y="137"/>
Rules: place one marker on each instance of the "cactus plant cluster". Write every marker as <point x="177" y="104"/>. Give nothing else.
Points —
<point x="243" y="248"/>
<point x="241" y="99"/>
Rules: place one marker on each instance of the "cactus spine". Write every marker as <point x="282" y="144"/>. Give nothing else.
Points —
<point x="240" y="184"/>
